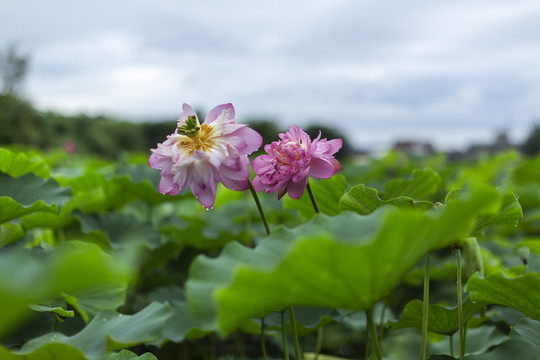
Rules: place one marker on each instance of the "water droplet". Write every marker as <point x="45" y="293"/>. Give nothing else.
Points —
<point x="474" y="302"/>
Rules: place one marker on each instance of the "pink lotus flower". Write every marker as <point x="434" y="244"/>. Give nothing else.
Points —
<point x="201" y="155"/>
<point x="290" y="161"/>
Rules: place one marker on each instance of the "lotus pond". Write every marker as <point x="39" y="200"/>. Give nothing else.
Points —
<point x="97" y="264"/>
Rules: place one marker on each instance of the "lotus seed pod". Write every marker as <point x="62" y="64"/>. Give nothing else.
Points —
<point x="439" y="206"/>
<point x="523" y="252"/>
<point x="473" y="257"/>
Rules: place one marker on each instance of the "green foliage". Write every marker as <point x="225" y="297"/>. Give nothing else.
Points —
<point x="341" y="256"/>
<point x="96" y="261"/>
<point x="16" y="164"/>
<point x="528" y="330"/>
<point x="521" y="293"/>
<point x="442" y="319"/>
<point x="423" y="183"/>
<point x="28" y="194"/>
<point x="328" y="193"/>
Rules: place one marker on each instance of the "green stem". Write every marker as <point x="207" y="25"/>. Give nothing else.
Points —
<point x="259" y="206"/>
<point x="263" y="345"/>
<point x="284" y="336"/>
<point x="381" y="320"/>
<point x="425" y="310"/>
<point x="452" y="345"/>
<point x="460" y="305"/>
<point x="318" y="347"/>
<point x="297" y="355"/>
<point x="375" y="348"/>
<point x="312" y="197"/>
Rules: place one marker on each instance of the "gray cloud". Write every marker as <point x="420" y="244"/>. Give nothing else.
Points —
<point x="451" y="72"/>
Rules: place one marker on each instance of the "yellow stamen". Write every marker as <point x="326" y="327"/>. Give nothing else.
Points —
<point x="203" y="140"/>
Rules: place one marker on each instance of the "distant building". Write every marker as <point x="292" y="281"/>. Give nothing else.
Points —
<point x="414" y="148"/>
<point x="500" y="144"/>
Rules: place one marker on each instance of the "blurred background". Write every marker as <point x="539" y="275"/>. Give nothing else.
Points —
<point x="419" y="76"/>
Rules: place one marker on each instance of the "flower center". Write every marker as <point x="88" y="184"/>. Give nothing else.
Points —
<point x="196" y="137"/>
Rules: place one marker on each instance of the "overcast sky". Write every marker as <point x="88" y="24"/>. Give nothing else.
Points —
<point x="447" y="72"/>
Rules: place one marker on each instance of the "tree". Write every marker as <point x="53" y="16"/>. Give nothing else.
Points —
<point x="531" y="145"/>
<point x="330" y="133"/>
<point x="13" y="69"/>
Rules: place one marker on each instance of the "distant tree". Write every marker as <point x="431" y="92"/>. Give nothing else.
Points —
<point x="19" y="121"/>
<point x="331" y="133"/>
<point x="531" y="146"/>
<point x="156" y="132"/>
<point x="13" y="69"/>
<point x="267" y="128"/>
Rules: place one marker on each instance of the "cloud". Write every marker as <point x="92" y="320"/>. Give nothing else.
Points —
<point x="446" y="71"/>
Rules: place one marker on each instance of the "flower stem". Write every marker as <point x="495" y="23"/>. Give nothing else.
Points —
<point x="381" y="320"/>
<point x="261" y="211"/>
<point x="425" y="310"/>
<point x="460" y="305"/>
<point x="320" y="334"/>
<point x="284" y="336"/>
<point x="375" y="348"/>
<point x="312" y="197"/>
<point x="297" y="355"/>
<point x="263" y="345"/>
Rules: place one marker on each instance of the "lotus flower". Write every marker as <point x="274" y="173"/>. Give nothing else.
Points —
<point x="201" y="155"/>
<point x="292" y="159"/>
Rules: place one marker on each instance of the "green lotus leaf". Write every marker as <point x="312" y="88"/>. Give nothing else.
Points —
<point x="308" y="319"/>
<point x="56" y="306"/>
<point x="509" y="213"/>
<point x="364" y="200"/>
<point x="527" y="172"/>
<point x="327" y="194"/>
<point x="490" y="170"/>
<point x="9" y="233"/>
<point x="347" y="261"/>
<point x="89" y="301"/>
<point x="17" y="164"/>
<point x="94" y="192"/>
<point x="35" y="278"/>
<point x="49" y="220"/>
<point x="120" y="229"/>
<point x="421" y="185"/>
<point x="108" y="331"/>
<point x="29" y="193"/>
<point x="527" y="330"/>
<point x="142" y="182"/>
<point x="507" y="350"/>
<point x="521" y="293"/>
<point x="128" y="355"/>
<point x="52" y="350"/>
<point x="480" y="341"/>
<point x="61" y="312"/>
<point x="183" y="325"/>
<point x="441" y="320"/>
